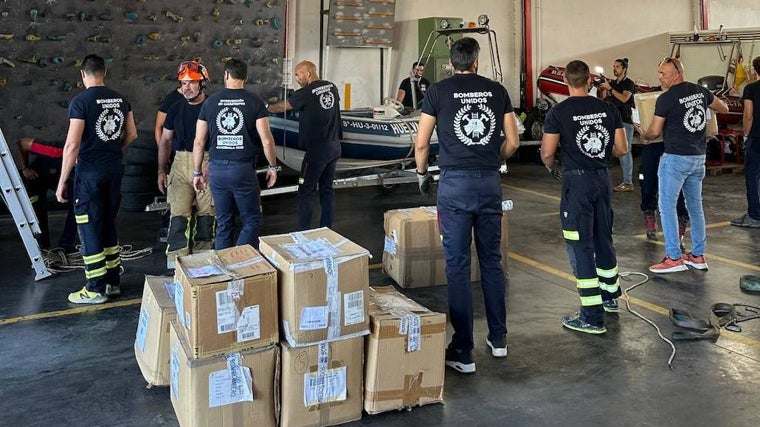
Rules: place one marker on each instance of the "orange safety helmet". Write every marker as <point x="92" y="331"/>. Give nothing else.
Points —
<point x="192" y="70"/>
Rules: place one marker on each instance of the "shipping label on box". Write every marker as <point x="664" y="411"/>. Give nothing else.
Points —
<point x="404" y="353"/>
<point x="323" y="278"/>
<point x="413" y="252"/>
<point x="322" y="384"/>
<point x="228" y="300"/>
<point x="236" y="389"/>
<point x="152" y="338"/>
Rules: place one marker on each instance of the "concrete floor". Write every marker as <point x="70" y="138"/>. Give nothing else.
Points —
<point x="70" y="365"/>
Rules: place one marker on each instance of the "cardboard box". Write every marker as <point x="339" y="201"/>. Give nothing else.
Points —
<point x="152" y="340"/>
<point x="330" y="373"/>
<point x="645" y="104"/>
<point x="413" y="253"/>
<point x="324" y="279"/>
<point x="237" y="389"/>
<point x="405" y="353"/>
<point x="227" y="300"/>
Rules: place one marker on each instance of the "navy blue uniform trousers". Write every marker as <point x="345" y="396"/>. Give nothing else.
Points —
<point x="586" y="216"/>
<point x="650" y="162"/>
<point x="469" y="203"/>
<point x="97" y="199"/>
<point x="316" y="175"/>
<point x="233" y="184"/>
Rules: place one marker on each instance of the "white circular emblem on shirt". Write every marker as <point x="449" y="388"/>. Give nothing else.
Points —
<point x="326" y="100"/>
<point x="694" y="119"/>
<point x="474" y="127"/>
<point x="109" y="124"/>
<point x="593" y="140"/>
<point x="229" y="120"/>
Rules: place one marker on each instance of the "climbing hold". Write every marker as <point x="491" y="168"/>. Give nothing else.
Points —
<point x="151" y="58"/>
<point x="67" y="86"/>
<point x="154" y="36"/>
<point x="276" y="23"/>
<point x="56" y="37"/>
<point x="54" y="82"/>
<point x="215" y="11"/>
<point x="33" y="15"/>
<point x="32" y="37"/>
<point x="140" y="40"/>
<point x="57" y="60"/>
<point x="238" y="22"/>
<point x="105" y="17"/>
<point x="174" y="16"/>
<point x="150" y="79"/>
<point x="153" y="18"/>
<point x="217" y="44"/>
<point x="131" y="16"/>
<point x="185" y="38"/>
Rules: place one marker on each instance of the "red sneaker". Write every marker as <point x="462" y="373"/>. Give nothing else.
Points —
<point x="668" y="265"/>
<point x="694" y="261"/>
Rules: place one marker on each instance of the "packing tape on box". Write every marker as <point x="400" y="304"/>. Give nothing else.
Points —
<point x="433" y="393"/>
<point x="333" y="299"/>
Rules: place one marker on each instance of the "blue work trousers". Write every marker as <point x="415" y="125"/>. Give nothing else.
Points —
<point x="469" y="203"/>
<point x="233" y="184"/>
<point x="316" y="176"/>
<point x="752" y="177"/>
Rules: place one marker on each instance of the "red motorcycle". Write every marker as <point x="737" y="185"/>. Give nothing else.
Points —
<point x="553" y="90"/>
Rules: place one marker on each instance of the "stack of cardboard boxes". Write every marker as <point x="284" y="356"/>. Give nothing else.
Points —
<point x="224" y="357"/>
<point x="324" y="284"/>
<point x="212" y="335"/>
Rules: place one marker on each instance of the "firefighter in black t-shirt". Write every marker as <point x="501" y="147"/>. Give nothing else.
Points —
<point x="101" y="124"/>
<point x="469" y="112"/>
<point x="319" y="130"/>
<point x="236" y="125"/>
<point x="590" y="132"/>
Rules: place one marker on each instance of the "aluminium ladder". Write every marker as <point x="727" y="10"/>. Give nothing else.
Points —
<point x="17" y="201"/>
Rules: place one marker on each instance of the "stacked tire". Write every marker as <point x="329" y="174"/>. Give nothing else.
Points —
<point x="139" y="184"/>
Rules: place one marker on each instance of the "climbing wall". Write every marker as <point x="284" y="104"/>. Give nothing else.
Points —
<point x="43" y="41"/>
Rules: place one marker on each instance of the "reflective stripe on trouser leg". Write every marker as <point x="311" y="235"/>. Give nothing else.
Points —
<point x="589" y="292"/>
<point x="113" y="260"/>
<point x="608" y="282"/>
<point x="94" y="265"/>
<point x="177" y="241"/>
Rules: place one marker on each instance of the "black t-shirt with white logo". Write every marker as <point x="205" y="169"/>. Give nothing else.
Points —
<point x="319" y="122"/>
<point x="104" y="111"/>
<point x="685" y="109"/>
<point x="231" y="115"/>
<point x="586" y="126"/>
<point x="181" y="118"/>
<point x="469" y="111"/>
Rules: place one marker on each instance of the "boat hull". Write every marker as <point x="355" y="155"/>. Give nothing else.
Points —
<point x="365" y="140"/>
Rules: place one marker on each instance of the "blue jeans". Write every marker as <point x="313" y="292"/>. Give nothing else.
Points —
<point x="752" y="176"/>
<point x="626" y="161"/>
<point x="682" y="173"/>
<point x="469" y="203"/>
<point x="234" y="184"/>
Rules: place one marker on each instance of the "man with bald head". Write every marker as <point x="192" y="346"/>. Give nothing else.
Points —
<point x="681" y="114"/>
<point x="319" y="132"/>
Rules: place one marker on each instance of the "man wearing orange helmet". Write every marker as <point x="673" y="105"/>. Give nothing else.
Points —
<point x="188" y="233"/>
